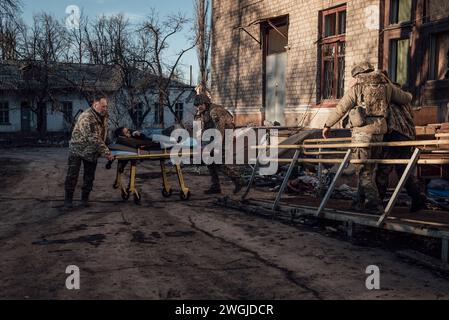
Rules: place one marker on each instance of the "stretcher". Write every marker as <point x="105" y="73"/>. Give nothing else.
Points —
<point x="133" y="153"/>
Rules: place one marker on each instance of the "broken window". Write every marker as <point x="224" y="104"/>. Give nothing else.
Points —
<point x="439" y="66"/>
<point x="401" y="11"/>
<point x="333" y="47"/>
<point x="4" y="113"/>
<point x="399" y="60"/>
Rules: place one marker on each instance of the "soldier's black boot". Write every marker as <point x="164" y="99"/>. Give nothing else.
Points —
<point x="85" y="200"/>
<point x="214" y="189"/>
<point x="68" y="200"/>
<point x="238" y="185"/>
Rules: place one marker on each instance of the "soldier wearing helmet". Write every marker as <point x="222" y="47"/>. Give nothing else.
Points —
<point x="367" y="103"/>
<point x="213" y="116"/>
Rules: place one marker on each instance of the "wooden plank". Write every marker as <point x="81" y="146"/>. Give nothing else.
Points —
<point x="416" y="143"/>
<point x="325" y="153"/>
<point x="343" y="216"/>
<point x="309" y="141"/>
<point x="369" y="161"/>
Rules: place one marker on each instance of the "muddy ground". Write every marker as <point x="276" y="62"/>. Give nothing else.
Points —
<point x="171" y="249"/>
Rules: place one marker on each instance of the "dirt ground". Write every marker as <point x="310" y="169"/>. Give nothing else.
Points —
<point x="171" y="249"/>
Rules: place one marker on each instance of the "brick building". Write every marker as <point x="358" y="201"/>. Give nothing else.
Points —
<point x="290" y="60"/>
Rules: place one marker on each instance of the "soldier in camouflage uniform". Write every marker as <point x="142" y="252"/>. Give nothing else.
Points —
<point x="401" y="127"/>
<point x="86" y="146"/>
<point x="213" y="116"/>
<point x="367" y="103"/>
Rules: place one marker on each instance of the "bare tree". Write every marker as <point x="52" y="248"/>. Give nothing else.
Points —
<point x="77" y="40"/>
<point x="203" y="33"/>
<point x="10" y="26"/>
<point x="44" y="44"/>
<point x="160" y="65"/>
<point x="10" y="7"/>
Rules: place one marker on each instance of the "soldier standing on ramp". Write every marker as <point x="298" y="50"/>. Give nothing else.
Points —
<point x="367" y="103"/>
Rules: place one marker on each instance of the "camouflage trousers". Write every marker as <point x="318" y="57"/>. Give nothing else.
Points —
<point x="233" y="172"/>
<point x="74" y="167"/>
<point x="367" y="193"/>
<point x="384" y="171"/>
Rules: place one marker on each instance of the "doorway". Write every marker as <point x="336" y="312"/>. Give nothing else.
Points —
<point x="25" y="115"/>
<point x="275" y="64"/>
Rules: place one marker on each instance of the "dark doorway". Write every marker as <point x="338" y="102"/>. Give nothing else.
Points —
<point x="25" y="112"/>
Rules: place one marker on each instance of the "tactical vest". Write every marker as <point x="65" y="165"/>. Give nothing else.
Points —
<point x="373" y="94"/>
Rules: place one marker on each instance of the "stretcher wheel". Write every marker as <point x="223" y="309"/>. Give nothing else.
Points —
<point x="137" y="198"/>
<point x="185" y="196"/>
<point x="125" y="195"/>
<point x="166" y="194"/>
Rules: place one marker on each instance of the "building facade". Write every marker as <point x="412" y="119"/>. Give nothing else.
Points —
<point x="49" y="98"/>
<point x="290" y="61"/>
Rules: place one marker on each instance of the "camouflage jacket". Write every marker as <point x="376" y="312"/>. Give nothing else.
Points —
<point x="354" y="98"/>
<point x="400" y="120"/>
<point x="89" y="136"/>
<point x="217" y="117"/>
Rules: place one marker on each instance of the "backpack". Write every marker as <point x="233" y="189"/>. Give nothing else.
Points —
<point x="373" y="96"/>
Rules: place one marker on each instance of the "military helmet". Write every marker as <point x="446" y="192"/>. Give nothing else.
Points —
<point x="362" y="67"/>
<point x="202" y="99"/>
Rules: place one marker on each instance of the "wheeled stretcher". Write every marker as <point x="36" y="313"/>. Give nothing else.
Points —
<point x="125" y="154"/>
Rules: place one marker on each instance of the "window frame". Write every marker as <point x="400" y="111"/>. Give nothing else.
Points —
<point x="420" y="31"/>
<point x="139" y="113"/>
<point x="390" y="53"/>
<point x="64" y="104"/>
<point x="398" y="23"/>
<point x="157" y="107"/>
<point x="5" y="111"/>
<point x="180" y="116"/>
<point x="334" y="41"/>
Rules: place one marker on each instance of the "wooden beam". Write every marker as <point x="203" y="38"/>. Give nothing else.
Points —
<point x="360" y="145"/>
<point x="369" y="161"/>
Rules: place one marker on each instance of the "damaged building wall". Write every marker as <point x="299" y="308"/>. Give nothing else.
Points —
<point x="238" y="59"/>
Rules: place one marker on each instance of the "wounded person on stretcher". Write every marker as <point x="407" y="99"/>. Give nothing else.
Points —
<point x="128" y="133"/>
<point x="134" y="139"/>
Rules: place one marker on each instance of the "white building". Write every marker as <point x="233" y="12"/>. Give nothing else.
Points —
<point x="64" y="90"/>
